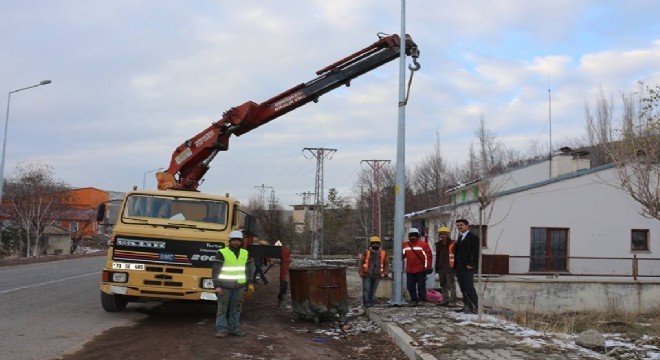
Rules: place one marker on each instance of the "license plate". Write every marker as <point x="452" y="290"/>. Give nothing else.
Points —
<point x="127" y="266"/>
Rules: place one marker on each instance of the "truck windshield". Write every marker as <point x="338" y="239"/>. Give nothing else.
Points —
<point x="176" y="208"/>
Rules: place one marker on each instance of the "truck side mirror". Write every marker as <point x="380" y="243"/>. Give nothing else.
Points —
<point x="250" y="226"/>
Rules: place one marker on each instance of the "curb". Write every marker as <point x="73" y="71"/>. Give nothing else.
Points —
<point x="401" y="339"/>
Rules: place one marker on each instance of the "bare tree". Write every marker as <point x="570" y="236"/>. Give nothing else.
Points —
<point x="363" y="215"/>
<point x="599" y="128"/>
<point x="489" y="163"/>
<point x="34" y="200"/>
<point x="633" y="146"/>
<point x="337" y="232"/>
<point x="364" y="206"/>
<point x="88" y="219"/>
<point x="430" y="178"/>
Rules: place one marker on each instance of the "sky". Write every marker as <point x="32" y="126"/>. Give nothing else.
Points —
<point x="133" y="79"/>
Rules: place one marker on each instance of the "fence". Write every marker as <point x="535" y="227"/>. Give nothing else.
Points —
<point x="633" y="267"/>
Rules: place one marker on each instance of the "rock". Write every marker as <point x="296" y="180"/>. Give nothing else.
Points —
<point x="591" y="339"/>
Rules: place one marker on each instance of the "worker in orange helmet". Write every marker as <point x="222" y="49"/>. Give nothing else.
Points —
<point x="444" y="266"/>
<point x="373" y="265"/>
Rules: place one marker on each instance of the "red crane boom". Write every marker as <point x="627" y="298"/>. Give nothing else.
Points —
<point x="190" y="161"/>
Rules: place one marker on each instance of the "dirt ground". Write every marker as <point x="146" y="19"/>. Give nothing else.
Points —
<point x="177" y="330"/>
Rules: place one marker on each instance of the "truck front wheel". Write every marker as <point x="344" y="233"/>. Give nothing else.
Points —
<point x="113" y="302"/>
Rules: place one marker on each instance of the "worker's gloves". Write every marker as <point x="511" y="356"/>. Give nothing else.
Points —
<point x="249" y="291"/>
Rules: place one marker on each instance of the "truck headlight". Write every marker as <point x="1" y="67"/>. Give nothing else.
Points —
<point x="119" y="277"/>
<point x="207" y="284"/>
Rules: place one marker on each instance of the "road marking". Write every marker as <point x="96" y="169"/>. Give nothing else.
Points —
<point x="48" y="283"/>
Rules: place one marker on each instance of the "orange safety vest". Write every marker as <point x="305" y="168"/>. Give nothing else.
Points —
<point x="451" y="254"/>
<point x="365" y="267"/>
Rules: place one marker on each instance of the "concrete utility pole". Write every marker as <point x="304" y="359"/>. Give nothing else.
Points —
<point x="262" y="189"/>
<point x="317" y="220"/>
<point x="376" y="166"/>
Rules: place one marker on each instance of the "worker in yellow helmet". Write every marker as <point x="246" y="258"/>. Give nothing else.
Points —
<point x="232" y="275"/>
<point x="373" y="265"/>
<point x="444" y="266"/>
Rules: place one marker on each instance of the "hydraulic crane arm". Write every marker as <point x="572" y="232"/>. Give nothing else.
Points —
<point x="190" y="161"/>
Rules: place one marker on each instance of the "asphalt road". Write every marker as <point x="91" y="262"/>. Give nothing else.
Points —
<point x="53" y="308"/>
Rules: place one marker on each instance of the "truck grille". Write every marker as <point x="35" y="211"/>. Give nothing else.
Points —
<point x="161" y="269"/>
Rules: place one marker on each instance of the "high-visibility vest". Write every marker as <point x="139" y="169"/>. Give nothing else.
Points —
<point x="232" y="274"/>
<point x="365" y="267"/>
<point x="451" y="254"/>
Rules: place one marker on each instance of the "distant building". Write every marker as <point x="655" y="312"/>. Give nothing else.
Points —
<point x="80" y="219"/>
<point x="302" y="215"/>
<point x="58" y="240"/>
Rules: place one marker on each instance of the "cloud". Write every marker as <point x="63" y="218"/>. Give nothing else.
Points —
<point x="133" y="79"/>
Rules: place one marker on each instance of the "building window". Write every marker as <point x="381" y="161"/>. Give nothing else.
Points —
<point x="73" y="226"/>
<point x="549" y="250"/>
<point x="639" y="240"/>
<point x="481" y="231"/>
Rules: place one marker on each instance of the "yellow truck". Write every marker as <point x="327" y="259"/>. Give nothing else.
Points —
<point x="163" y="245"/>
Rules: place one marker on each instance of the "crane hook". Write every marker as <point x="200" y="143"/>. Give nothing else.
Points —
<point x="416" y="67"/>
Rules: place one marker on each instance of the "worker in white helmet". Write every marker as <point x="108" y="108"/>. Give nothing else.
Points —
<point x="232" y="278"/>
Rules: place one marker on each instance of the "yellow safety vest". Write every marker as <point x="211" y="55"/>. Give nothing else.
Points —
<point x="232" y="274"/>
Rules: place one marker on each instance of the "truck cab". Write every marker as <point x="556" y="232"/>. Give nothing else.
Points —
<point x="163" y="245"/>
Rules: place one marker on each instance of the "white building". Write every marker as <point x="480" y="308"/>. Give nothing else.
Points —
<point x="559" y="218"/>
<point x="560" y="237"/>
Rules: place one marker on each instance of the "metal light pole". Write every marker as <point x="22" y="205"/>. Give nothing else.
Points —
<point x="4" y="142"/>
<point x="400" y="187"/>
<point x="144" y="176"/>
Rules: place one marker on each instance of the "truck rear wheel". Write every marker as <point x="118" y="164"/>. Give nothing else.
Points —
<point x="113" y="302"/>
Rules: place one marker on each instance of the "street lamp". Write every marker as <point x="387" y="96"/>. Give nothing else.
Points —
<point x="4" y="142"/>
<point x="144" y="177"/>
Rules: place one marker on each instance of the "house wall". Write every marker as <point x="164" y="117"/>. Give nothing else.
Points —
<point x="85" y="198"/>
<point x="557" y="296"/>
<point x="535" y="173"/>
<point x="299" y="215"/>
<point x="58" y="244"/>
<point x="562" y="165"/>
<point x="523" y="176"/>
<point x="550" y="296"/>
<point x="599" y="215"/>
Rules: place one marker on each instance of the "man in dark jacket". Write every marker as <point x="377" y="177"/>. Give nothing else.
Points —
<point x="466" y="260"/>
